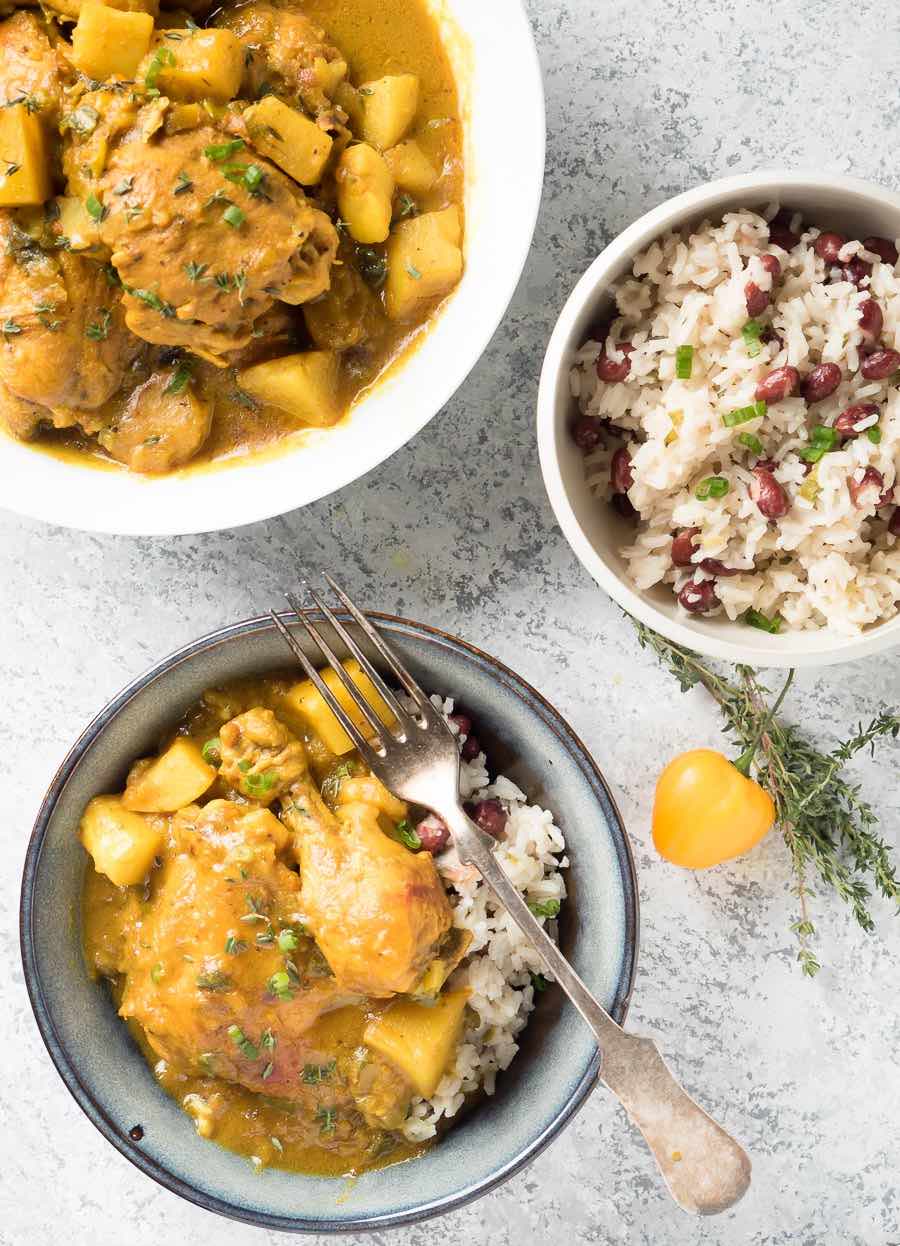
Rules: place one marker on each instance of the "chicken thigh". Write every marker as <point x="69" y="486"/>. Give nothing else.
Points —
<point x="378" y="911"/>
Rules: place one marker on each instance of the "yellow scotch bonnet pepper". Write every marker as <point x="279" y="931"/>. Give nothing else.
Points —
<point x="706" y="811"/>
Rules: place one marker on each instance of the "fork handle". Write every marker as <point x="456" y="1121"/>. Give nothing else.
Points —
<point x="705" y="1170"/>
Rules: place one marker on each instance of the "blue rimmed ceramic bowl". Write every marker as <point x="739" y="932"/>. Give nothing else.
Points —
<point x="557" y="1065"/>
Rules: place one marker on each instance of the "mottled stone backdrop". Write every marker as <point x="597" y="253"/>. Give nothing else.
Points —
<point x="644" y="99"/>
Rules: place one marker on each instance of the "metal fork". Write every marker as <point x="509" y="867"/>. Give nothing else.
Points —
<point x="705" y="1170"/>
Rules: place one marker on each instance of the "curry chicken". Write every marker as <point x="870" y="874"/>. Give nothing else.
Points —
<point x="217" y="226"/>
<point x="281" y="955"/>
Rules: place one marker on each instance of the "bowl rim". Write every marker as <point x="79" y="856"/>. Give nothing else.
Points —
<point x="67" y="1068"/>
<point x="793" y="649"/>
<point x="278" y="476"/>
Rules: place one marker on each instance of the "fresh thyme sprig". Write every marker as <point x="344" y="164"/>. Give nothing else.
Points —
<point x="828" y="828"/>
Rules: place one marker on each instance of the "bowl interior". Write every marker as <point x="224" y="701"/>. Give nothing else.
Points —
<point x="549" y="1078"/>
<point x="595" y="531"/>
<point x="504" y="164"/>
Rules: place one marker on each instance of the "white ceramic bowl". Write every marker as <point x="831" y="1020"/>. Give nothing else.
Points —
<point x="593" y="530"/>
<point x="505" y="168"/>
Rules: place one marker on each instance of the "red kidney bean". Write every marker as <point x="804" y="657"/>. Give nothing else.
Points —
<point x="871" y="320"/>
<point x="622" y="505"/>
<point x="871" y="480"/>
<point x="769" y="335"/>
<point x="699" y="598"/>
<point x="846" y="422"/>
<point x="757" y="300"/>
<point x="683" y="546"/>
<point x="856" y="269"/>
<point x="880" y="364"/>
<point x="768" y="464"/>
<point x="610" y="370"/>
<point x="883" y="248"/>
<point x="471" y="748"/>
<point x="621" y="476"/>
<point x="770" y="498"/>
<point x="828" y="246"/>
<point x="586" y="433"/>
<point x="781" y="236"/>
<point x="822" y="381"/>
<point x="894" y="523"/>
<point x="462" y="722"/>
<point x="490" y="816"/>
<point x="772" y="265"/>
<point x="433" y="833"/>
<point x="714" y="567"/>
<point x="778" y="385"/>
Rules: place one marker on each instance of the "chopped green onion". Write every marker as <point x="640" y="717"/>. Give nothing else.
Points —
<point x="162" y="57"/>
<point x="313" y="1074"/>
<point x="539" y="982"/>
<point x="259" y="784"/>
<point x="158" y="972"/>
<point x="287" y="941"/>
<point x="223" y="151"/>
<point x="212" y="751"/>
<point x="751" y="334"/>
<point x="752" y="442"/>
<point x="822" y="439"/>
<point x="413" y="271"/>
<point x="277" y="1145"/>
<point x="268" y="1040"/>
<point x="182" y="184"/>
<point x="240" y="1040"/>
<point x="755" y="618"/>
<point x="95" y="208"/>
<point x="234" y="947"/>
<point x="279" y="985"/>
<point x="253" y="176"/>
<point x="407" y="835"/>
<point x="267" y="1071"/>
<point x="327" y="1118"/>
<point x="684" y="362"/>
<point x="712" y="487"/>
<point x="544" y="908"/>
<point x="180" y="380"/>
<point x="874" y="434"/>
<point x="11" y="327"/>
<point x="233" y="216"/>
<point x="743" y="414"/>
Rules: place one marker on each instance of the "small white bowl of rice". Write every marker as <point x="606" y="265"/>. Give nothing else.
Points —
<point x="719" y="419"/>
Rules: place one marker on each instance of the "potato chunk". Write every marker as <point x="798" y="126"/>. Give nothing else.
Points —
<point x="424" y="261"/>
<point x="122" y="844"/>
<point x="411" y="168"/>
<point x="365" y="189"/>
<point x="200" y="64"/>
<point x="291" y="140"/>
<point x="304" y="385"/>
<point x="24" y="163"/>
<point x="420" y="1040"/>
<point x="305" y="699"/>
<point x="176" y="778"/>
<point x="388" y="107"/>
<point x="108" y="41"/>
<point x="76" y="224"/>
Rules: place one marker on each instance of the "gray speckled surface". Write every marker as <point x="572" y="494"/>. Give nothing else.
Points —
<point x="643" y="100"/>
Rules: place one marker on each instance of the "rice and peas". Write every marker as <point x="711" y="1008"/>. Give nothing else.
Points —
<point x="502" y="971"/>
<point x="743" y="410"/>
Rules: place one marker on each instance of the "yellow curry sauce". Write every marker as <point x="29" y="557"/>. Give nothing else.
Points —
<point x="221" y="246"/>
<point x="293" y="1012"/>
